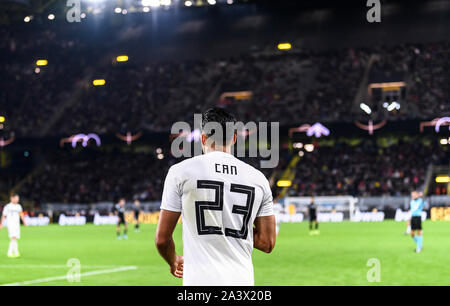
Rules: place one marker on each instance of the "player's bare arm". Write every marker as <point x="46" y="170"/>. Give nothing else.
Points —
<point x="22" y="217"/>
<point x="1" y="221"/>
<point x="165" y="244"/>
<point x="264" y="234"/>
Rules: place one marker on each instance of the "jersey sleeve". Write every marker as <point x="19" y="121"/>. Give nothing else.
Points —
<point x="266" y="208"/>
<point x="171" y="198"/>
<point x="5" y="211"/>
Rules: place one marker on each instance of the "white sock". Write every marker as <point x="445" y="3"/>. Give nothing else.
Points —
<point x="15" y="247"/>
<point x="11" y="247"/>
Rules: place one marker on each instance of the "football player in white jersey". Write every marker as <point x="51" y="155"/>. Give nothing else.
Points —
<point x="13" y="213"/>
<point x="227" y="210"/>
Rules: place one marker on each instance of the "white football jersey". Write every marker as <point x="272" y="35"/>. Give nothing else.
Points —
<point x="219" y="197"/>
<point x="12" y="213"/>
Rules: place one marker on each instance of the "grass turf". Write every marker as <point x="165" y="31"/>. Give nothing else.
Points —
<point x="338" y="256"/>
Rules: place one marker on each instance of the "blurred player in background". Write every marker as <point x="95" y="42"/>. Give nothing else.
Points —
<point x="416" y="206"/>
<point x="13" y="213"/>
<point x="278" y="210"/>
<point x="119" y="211"/>
<point x="312" y="210"/>
<point x="137" y="213"/>
<point x="227" y="211"/>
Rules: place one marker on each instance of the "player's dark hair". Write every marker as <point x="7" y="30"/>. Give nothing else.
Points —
<point x="222" y="117"/>
<point x="14" y="195"/>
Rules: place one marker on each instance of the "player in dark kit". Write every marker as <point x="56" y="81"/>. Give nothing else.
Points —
<point x="137" y="212"/>
<point x="312" y="210"/>
<point x="119" y="211"/>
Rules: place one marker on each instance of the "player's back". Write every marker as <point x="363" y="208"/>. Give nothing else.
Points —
<point x="219" y="197"/>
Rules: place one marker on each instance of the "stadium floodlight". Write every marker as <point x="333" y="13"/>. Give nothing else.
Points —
<point x="99" y="82"/>
<point x="83" y="15"/>
<point x="443" y="179"/>
<point x="160" y="156"/>
<point x="37" y="70"/>
<point x="27" y="19"/>
<point x="444" y="141"/>
<point x="365" y="108"/>
<point x="166" y="2"/>
<point x="297" y="145"/>
<point x="151" y="3"/>
<point x="229" y="1"/>
<point x="309" y="147"/>
<point x="146" y="9"/>
<point x="284" y="46"/>
<point x="51" y="17"/>
<point x="188" y="3"/>
<point x="41" y="62"/>
<point x="284" y="183"/>
<point x="392" y="106"/>
<point x="117" y="10"/>
<point x="122" y="58"/>
<point x="301" y="153"/>
<point x="212" y="2"/>
<point x="124" y="11"/>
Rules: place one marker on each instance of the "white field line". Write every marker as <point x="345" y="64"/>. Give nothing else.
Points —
<point x="13" y="266"/>
<point x="62" y="277"/>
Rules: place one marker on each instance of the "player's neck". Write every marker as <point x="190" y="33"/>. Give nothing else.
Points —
<point x="218" y="149"/>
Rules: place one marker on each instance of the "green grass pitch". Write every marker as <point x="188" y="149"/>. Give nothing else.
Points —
<point x="338" y="256"/>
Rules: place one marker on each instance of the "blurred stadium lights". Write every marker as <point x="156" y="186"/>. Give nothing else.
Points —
<point x="27" y="19"/>
<point x="124" y="12"/>
<point x="2" y="119"/>
<point x="365" y="108"/>
<point x="229" y="1"/>
<point x="443" y="141"/>
<point x="443" y="179"/>
<point x="37" y="70"/>
<point x="301" y="153"/>
<point x="212" y="2"/>
<point x="51" y="17"/>
<point x="146" y="9"/>
<point x="117" y="10"/>
<point x="392" y="106"/>
<point x="309" y="147"/>
<point x="297" y="145"/>
<point x="41" y="62"/>
<point x="99" y="82"/>
<point x="122" y="58"/>
<point x="284" y="183"/>
<point x="188" y="3"/>
<point x="160" y="156"/>
<point x="166" y="2"/>
<point x="151" y="3"/>
<point x="284" y="46"/>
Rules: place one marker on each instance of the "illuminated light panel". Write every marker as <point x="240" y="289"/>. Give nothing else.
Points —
<point x="41" y="62"/>
<point x="443" y="179"/>
<point x="309" y="147"/>
<point x="152" y="3"/>
<point x="122" y="58"/>
<point x="99" y="82"/>
<point x="443" y="141"/>
<point x="284" y="46"/>
<point x="284" y="183"/>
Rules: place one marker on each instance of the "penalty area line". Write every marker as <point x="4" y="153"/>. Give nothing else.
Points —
<point x="62" y="277"/>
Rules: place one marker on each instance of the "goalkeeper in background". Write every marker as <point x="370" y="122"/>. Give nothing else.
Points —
<point x="416" y="206"/>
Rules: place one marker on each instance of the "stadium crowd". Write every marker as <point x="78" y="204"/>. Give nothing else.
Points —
<point x="291" y="88"/>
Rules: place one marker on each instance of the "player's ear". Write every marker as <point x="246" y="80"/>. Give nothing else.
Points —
<point x="203" y="139"/>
